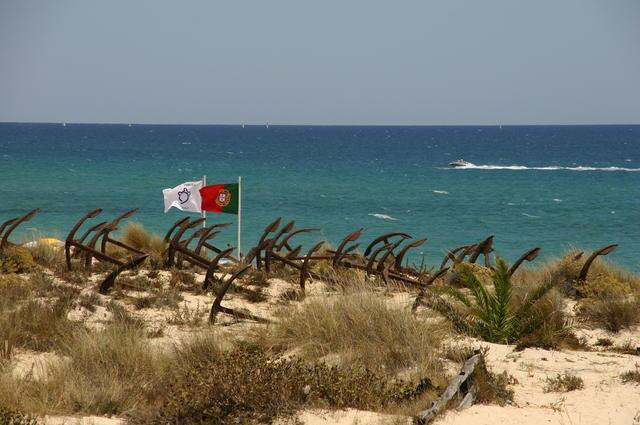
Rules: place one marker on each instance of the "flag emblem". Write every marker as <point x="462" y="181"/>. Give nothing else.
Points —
<point x="183" y="195"/>
<point x="223" y="198"/>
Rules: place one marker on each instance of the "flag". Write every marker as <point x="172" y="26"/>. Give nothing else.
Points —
<point x="220" y="198"/>
<point x="185" y="197"/>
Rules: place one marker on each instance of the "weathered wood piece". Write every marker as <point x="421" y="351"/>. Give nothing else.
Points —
<point x="425" y="416"/>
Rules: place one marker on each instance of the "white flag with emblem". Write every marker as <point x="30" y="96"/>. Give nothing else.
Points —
<point x="185" y="197"/>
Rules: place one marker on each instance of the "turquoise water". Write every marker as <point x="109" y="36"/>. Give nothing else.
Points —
<point x="547" y="186"/>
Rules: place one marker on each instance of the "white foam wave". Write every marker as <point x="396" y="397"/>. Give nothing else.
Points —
<point x="557" y="200"/>
<point x="383" y="216"/>
<point x="530" y="215"/>
<point x="471" y="166"/>
<point x="442" y="192"/>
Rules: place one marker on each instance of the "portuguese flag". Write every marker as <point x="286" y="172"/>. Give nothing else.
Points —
<point x="220" y="198"/>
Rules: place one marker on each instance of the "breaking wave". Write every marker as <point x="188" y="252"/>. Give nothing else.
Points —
<point x="383" y="216"/>
<point x="471" y="166"/>
<point x="441" y="192"/>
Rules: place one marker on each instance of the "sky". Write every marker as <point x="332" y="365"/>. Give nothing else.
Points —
<point x="341" y="62"/>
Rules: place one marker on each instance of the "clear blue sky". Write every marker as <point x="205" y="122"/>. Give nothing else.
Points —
<point x="320" y="62"/>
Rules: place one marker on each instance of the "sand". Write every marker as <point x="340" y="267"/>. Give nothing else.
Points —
<point x="603" y="400"/>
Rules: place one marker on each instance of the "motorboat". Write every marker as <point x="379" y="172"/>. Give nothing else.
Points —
<point x="459" y="163"/>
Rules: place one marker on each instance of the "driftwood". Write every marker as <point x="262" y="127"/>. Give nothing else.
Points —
<point x="454" y="388"/>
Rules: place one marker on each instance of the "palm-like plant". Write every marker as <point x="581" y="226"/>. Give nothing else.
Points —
<point x="489" y="314"/>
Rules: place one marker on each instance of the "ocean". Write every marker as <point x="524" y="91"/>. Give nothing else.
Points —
<point x="554" y="187"/>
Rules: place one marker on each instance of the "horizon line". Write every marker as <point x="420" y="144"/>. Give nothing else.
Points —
<point x="239" y="124"/>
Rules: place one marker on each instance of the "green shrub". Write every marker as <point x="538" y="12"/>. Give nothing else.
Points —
<point x="16" y="259"/>
<point x="493" y="315"/>
<point x="248" y="386"/>
<point x="549" y="328"/>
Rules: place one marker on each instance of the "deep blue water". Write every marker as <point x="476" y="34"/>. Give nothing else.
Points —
<point x="343" y="178"/>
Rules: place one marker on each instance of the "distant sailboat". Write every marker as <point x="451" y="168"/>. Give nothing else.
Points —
<point x="242" y="125"/>
<point x="64" y="124"/>
<point x="267" y="125"/>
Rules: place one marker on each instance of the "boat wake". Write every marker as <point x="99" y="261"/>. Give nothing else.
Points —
<point x="383" y="216"/>
<point x="471" y="166"/>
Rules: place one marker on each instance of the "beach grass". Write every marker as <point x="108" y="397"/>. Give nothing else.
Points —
<point x="149" y="355"/>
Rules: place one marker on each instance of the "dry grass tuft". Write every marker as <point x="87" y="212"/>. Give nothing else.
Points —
<point x="362" y="330"/>
<point x="11" y="417"/>
<point x="137" y="282"/>
<point x="565" y="269"/>
<point x="89" y="301"/>
<point x="185" y="316"/>
<point x="159" y="298"/>
<point x="135" y="235"/>
<point x="183" y="280"/>
<point x="256" y="277"/>
<point x="14" y="288"/>
<point x="122" y="315"/>
<point x="627" y="348"/>
<point x="631" y="375"/>
<point x="42" y="283"/>
<point x="49" y="256"/>
<point x="36" y="325"/>
<point x="257" y="295"/>
<point x="104" y="373"/>
<point x="492" y="388"/>
<point x="604" y="342"/>
<point x="610" y="303"/>
<point x="563" y="383"/>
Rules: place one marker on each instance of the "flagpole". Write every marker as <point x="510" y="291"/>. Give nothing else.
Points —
<point x="204" y="213"/>
<point x="239" y="216"/>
